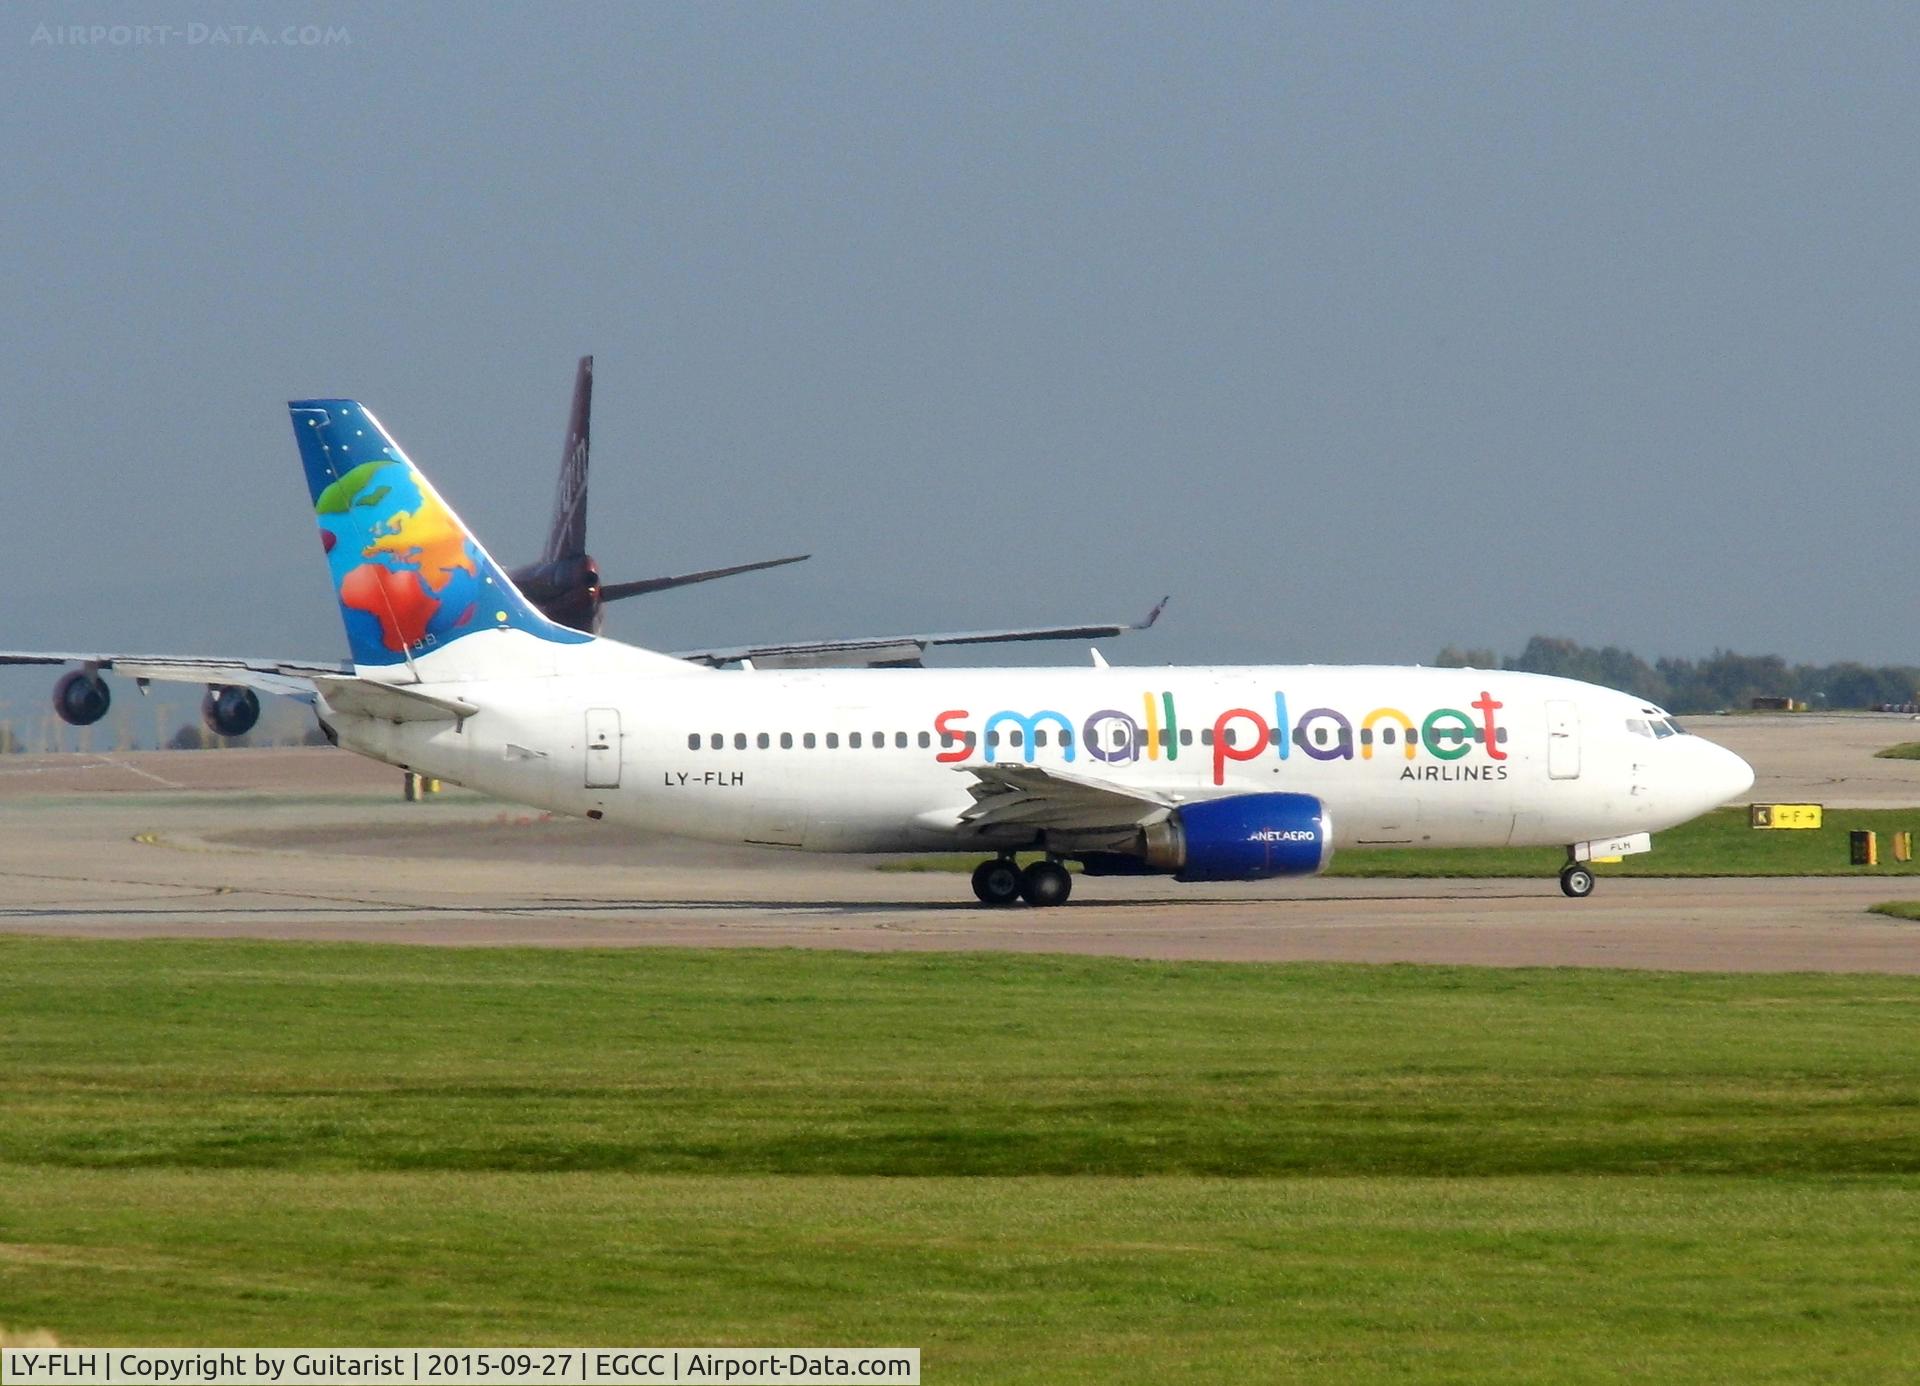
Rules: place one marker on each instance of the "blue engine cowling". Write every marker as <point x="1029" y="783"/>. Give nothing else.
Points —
<point x="1248" y="837"/>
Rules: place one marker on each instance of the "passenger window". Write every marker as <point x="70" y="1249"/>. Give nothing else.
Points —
<point x="947" y="741"/>
<point x="833" y="741"/>
<point x="1206" y="736"/>
<point x="926" y="740"/>
<point x="1386" y="735"/>
<point x="739" y="741"/>
<point x="806" y="741"/>
<point x="1040" y="737"/>
<point x="1066" y="738"/>
<point x="693" y="742"/>
<point x="763" y="741"/>
<point x="879" y="741"/>
<point x="1319" y="736"/>
<point x="786" y="741"/>
<point x="1186" y="736"/>
<point x="993" y="738"/>
<point x="1502" y="737"/>
<point x="971" y="739"/>
<point x="900" y="741"/>
<point x="715" y="743"/>
<point x="853" y="740"/>
<point x="1016" y="737"/>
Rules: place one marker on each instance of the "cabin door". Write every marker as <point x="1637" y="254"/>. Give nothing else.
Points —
<point x="603" y="748"/>
<point x="1563" y="740"/>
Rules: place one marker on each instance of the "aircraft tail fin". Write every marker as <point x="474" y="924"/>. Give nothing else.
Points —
<point x="411" y="578"/>
<point x="568" y="537"/>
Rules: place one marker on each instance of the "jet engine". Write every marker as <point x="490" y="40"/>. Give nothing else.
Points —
<point x="229" y="710"/>
<point x="1248" y="837"/>
<point x="81" y="697"/>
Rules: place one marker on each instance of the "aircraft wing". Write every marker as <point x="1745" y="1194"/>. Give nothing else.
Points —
<point x="290" y="678"/>
<point x="899" y="651"/>
<point x="1029" y="797"/>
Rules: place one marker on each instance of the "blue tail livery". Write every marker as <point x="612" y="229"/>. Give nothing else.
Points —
<point x="411" y="578"/>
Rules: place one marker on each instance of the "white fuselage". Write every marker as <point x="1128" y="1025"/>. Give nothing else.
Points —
<point x="875" y="760"/>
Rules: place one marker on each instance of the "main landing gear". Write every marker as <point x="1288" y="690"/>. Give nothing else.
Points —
<point x="1576" y="880"/>
<point x="1000" y="881"/>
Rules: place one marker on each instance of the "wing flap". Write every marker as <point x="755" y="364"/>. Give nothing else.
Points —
<point x="1027" y="796"/>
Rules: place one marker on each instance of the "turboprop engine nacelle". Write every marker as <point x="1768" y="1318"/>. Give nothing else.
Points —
<point x="1248" y="837"/>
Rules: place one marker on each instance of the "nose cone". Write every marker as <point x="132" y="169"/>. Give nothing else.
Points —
<point x="1721" y="776"/>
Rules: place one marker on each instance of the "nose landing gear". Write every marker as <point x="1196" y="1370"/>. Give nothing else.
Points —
<point x="1576" y="880"/>
<point x="1000" y="881"/>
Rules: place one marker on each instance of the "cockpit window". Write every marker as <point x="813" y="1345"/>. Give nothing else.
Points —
<point x="1639" y="726"/>
<point x="1676" y="728"/>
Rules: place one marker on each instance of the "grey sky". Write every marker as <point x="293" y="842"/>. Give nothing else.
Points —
<point x="1361" y="330"/>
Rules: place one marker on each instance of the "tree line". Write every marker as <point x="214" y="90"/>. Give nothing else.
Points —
<point x="1723" y="680"/>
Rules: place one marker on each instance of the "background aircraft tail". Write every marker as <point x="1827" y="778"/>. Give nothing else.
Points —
<point x="411" y="578"/>
<point x="568" y="537"/>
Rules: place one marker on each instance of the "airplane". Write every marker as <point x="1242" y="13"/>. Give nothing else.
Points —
<point x="1214" y="773"/>
<point x="564" y="584"/>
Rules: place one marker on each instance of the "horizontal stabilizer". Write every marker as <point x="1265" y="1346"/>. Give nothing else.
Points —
<point x="389" y="702"/>
<point x="614" y="591"/>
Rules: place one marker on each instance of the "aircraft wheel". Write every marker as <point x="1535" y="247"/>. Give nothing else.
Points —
<point x="1046" y="883"/>
<point x="1576" y="881"/>
<point x="997" y="882"/>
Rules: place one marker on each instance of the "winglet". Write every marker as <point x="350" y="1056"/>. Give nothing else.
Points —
<point x="1154" y="614"/>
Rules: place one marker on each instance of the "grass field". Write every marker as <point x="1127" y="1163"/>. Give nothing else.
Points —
<point x="1718" y="844"/>
<point x="1906" y="750"/>
<point x="1036" y="1169"/>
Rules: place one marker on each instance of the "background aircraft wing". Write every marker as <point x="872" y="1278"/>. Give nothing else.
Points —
<point x="1030" y="797"/>
<point x="899" y="651"/>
